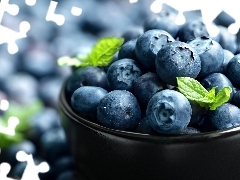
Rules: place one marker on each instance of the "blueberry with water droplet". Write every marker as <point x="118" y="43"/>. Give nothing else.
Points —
<point x="169" y="112"/>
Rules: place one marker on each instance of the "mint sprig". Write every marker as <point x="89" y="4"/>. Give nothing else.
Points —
<point x="194" y="91"/>
<point x="101" y="54"/>
<point x="23" y="113"/>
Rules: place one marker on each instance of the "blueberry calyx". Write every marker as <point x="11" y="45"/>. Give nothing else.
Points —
<point x="165" y="112"/>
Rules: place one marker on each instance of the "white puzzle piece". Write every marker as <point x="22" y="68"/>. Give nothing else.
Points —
<point x="7" y="35"/>
<point x="4" y="170"/>
<point x="31" y="169"/>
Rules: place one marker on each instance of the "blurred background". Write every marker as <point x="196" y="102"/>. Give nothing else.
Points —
<point x="30" y="78"/>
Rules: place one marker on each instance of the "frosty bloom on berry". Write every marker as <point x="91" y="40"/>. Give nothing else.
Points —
<point x="169" y="112"/>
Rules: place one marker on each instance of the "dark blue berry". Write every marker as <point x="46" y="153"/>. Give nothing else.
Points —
<point x="85" y="100"/>
<point x="53" y="145"/>
<point x="146" y="86"/>
<point x="169" y="112"/>
<point x="88" y="76"/>
<point x="41" y="122"/>
<point x="211" y="55"/>
<point x="39" y="63"/>
<point x="122" y="74"/>
<point x="132" y="33"/>
<point x="228" y="55"/>
<point x="127" y="50"/>
<point x="119" y="109"/>
<point x="227" y="40"/>
<point x="233" y="70"/>
<point x="145" y="127"/>
<point x="148" y="45"/>
<point x="224" y="117"/>
<point x="177" y="59"/>
<point x="217" y="80"/>
<point x="192" y="29"/>
<point x="236" y="99"/>
<point x="161" y="22"/>
<point x="198" y="114"/>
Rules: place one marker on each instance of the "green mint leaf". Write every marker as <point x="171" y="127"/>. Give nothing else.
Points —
<point x="104" y="50"/>
<point x="73" y="61"/>
<point x="222" y="96"/>
<point x="193" y="90"/>
<point x="212" y="93"/>
<point x="210" y="96"/>
<point x="101" y="54"/>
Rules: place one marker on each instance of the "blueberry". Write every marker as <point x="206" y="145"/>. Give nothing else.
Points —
<point x="39" y="62"/>
<point x="49" y="89"/>
<point x="217" y="80"/>
<point x="7" y="67"/>
<point x="85" y="100"/>
<point x="228" y="55"/>
<point x="21" y="87"/>
<point x="227" y="40"/>
<point x="127" y="50"/>
<point x="161" y="22"/>
<point x="41" y="122"/>
<point x="192" y="29"/>
<point x="177" y="59"/>
<point x="122" y="74"/>
<point x="87" y="76"/>
<point x="53" y="145"/>
<point x="146" y="86"/>
<point x="148" y="45"/>
<point x="224" y="117"/>
<point x="132" y="33"/>
<point x="233" y="70"/>
<point x="198" y="114"/>
<point x="120" y="110"/>
<point x="169" y="112"/>
<point x="211" y="55"/>
<point x="145" y="127"/>
<point x="236" y="99"/>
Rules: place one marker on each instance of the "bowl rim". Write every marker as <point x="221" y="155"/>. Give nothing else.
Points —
<point x="203" y="136"/>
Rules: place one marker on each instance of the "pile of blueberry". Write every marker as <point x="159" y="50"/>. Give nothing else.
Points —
<point x="126" y="85"/>
<point x="32" y="74"/>
<point x="138" y="90"/>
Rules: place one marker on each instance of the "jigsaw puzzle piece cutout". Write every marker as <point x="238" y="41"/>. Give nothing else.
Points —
<point x="31" y="169"/>
<point x="4" y="170"/>
<point x="12" y="9"/>
<point x="30" y="2"/>
<point x="10" y="36"/>
<point x="59" y="19"/>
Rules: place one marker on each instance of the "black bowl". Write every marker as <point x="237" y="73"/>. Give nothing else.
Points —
<point x="107" y="154"/>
